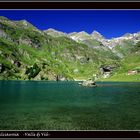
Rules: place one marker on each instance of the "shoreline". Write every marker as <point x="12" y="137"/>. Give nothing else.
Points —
<point x="76" y="80"/>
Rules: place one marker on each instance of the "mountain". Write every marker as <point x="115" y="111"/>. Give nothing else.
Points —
<point x="26" y="53"/>
<point x="80" y="36"/>
<point x="120" y="46"/>
<point x="54" y="33"/>
<point x="96" y="35"/>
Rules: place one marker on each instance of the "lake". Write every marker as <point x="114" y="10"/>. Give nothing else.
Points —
<point x="47" y="105"/>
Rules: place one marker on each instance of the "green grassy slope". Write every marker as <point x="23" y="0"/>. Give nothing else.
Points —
<point x="130" y="62"/>
<point x="29" y="54"/>
<point x="43" y="57"/>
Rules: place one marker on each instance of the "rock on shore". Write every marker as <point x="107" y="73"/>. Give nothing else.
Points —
<point x="89" y="83"/>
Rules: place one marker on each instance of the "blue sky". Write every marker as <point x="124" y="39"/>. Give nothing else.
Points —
<point x="110" y="23"/>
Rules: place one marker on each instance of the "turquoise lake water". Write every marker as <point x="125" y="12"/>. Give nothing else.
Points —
<point x="39" y="105"/>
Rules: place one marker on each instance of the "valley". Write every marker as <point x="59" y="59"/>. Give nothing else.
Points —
<point x="27" y="53"/>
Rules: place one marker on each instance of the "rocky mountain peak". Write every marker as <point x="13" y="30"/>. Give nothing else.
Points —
<point x="24" y="22"/>
<point x="73" y="33"/>
<point x="80" y="36"/>
<point x="96" y="35"/>
<point x="54" y="33"/>
<point x="83" y="33"/>
<point x="127" y="35"/>
<point x="95" y="32"/>
<point x="50" y="30"/>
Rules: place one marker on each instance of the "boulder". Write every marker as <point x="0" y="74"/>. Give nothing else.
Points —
<point x="89" y="83"/>
<point x="75" y="70"/>
<point x="63" y="79"/>
<point x="60" y="78"/>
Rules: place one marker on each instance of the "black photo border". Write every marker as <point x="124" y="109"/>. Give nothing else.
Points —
<point x="70" y="5"/>
<point x="69" y="134"/>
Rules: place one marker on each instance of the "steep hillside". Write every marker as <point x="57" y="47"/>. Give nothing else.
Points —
<point x="27" y="53"/>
